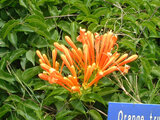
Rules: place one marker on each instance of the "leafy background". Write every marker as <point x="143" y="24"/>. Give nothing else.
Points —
<point x="28" y="25"/>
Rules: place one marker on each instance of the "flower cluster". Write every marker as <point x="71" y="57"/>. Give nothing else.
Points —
<point x="97" y="58"/>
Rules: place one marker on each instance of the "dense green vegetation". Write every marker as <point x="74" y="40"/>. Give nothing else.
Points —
<point x="28" y="25"/>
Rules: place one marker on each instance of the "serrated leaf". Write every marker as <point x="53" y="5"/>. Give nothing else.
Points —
<point x="30" y="55"/>
<point x="6" y="76"/>
<point x="95" y="115"/>
<point x="30" y="72"/>
<point x="8" y="27"/>
<point x="16" y="54"/>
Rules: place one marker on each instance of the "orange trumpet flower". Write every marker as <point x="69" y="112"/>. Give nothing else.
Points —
<point x="93" y="61"/>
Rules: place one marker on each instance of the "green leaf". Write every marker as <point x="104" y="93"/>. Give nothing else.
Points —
<point x="53" y="10"/>
<point x="30" y="55"/>
<point x="12" y="37"/>
<point x="65" y="26"/>
<point x="37" y="24"/>
<point x="32" y="105"/>
<point x="107" y="90"/>
<point x="95" y="115"/>
<point x="3" y="62"/>
<point x="2" y="43"/>
<point x="78" y="105"/>
<point x="150" y="26"/>
<point x="89" y="19"/>
<point x="154" y="92"/>
<point x="73" y="30"/>
<point x="1" y="23"/>
<point x="129" y="44"/>
<point x="23" y="63"/>
<point x="146" y="65"/>
<point x="16" y="54"/>
<point x="156" y="70"/>
<point x="82" y="7"/>
<point x="3" y="52"/>
<point x="8" y="27"/>
<point x="14" y="98"/>
<point x="5" y="3"/>
<point x="6" y="86"/>
<point x="23" y="3"/>
<point x="30" y="72"/>
<point x="37" y="41"/>
<point x="67" y="9"/>
<point x="23" y="28"/>
<point x="63" y="115"/>
<point x="59" y="98"/>
<point x="93" y="27"/>
<point x="55" y="35"/>
<point x="40" y="30"/>
<point x="4" y="109"/>
<point x="6" y="76"/>
<point x="133" y="4"/>
<point x="100" y="11"/>
<point x="40" y="86"/>
<point x="25" y="112"/>
<point x="156" y="21"/>
<point x="91" y="97"/>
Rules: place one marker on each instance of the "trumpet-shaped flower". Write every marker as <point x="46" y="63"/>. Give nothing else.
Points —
<point x="97" y="58"/>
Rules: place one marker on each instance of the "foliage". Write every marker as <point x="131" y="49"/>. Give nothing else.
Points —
<point x="28" y="25"/>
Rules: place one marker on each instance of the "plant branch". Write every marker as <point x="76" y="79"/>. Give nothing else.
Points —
<point x="148" y="20"/>
<point x="69" y="15"/>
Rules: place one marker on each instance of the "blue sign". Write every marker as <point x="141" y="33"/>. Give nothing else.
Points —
<point x="128" y="111"/>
